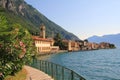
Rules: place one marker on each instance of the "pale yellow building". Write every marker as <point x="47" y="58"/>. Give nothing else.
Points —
<point x="43" y="44"/>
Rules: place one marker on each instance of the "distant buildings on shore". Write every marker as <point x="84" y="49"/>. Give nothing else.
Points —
<point x="46" y="45"/>
<point x="85" y="45"/>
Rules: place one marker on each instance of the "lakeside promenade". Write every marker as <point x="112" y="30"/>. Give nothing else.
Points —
<point x="35" y="74"/>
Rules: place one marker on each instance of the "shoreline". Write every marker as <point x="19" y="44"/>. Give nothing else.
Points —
<point x="46" y="55"/>
<point x="49" y="53"/>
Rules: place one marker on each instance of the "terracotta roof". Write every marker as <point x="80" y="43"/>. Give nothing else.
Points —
<point x="40" y="39"/>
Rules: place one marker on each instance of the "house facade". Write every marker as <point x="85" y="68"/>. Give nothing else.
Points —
<point x="43" y="44"/>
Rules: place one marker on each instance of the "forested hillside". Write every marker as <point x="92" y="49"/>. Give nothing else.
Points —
<point x="18" y="11"/>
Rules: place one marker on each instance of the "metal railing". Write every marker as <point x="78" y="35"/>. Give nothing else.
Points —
<point x="57" y="72"/>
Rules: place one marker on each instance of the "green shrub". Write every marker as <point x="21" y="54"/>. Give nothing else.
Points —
<point x="16" y="48"/>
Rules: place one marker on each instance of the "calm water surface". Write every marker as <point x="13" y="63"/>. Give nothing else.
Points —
<point x="92" y="65"/>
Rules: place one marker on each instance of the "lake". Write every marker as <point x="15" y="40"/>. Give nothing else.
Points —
<point x="92" y="65"/>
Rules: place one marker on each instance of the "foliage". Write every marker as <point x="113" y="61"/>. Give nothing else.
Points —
<point x="86" y="40"/>
<point x="16" y="47"/>
<point x="58" y="42"/>
<point x="112" y="46"/>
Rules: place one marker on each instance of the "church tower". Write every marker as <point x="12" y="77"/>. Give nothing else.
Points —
<point x="42" y="31"/>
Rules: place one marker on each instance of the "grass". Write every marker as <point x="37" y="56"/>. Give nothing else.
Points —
<point x="18" y="76"/>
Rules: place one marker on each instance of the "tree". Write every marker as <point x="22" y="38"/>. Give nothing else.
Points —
<point x="16" y="48"/>
<point x="58" y="42"/>
<point x="112" y="46"/>
<point x="86" y="40"/>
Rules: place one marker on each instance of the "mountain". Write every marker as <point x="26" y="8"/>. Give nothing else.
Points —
<point x="114" y="39"/>
<point x="18" y="11"/>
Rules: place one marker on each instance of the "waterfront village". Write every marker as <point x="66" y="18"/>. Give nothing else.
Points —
<point x="46" y="45"/>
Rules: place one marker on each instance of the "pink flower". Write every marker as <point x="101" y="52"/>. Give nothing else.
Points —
<point x="21" y="43"/>
<point x="1" y="74"/>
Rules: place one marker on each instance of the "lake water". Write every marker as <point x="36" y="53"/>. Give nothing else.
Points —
<point x="92" y="65"/>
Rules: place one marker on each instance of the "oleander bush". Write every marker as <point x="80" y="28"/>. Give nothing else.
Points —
<point x="16" y="47"/>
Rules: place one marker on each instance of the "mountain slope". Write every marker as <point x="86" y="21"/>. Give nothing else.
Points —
<point x="114" y="39"/>
<point x="18" y="11"/>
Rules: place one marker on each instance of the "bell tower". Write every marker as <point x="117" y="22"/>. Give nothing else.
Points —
<point x="42" y="30"/>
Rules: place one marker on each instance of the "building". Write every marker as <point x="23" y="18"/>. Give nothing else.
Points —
<point x="43" y="44"/>
<point x="71" y="45"/>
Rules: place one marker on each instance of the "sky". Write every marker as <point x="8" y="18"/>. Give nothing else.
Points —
<point x="84" y="18"/>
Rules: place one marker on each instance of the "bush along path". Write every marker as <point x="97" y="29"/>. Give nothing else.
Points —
<point x="16" y="47"/>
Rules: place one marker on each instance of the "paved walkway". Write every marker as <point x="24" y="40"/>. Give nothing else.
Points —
<point x="35" y="74"/>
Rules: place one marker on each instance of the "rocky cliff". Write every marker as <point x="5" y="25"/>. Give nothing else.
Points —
<point x="13" y="5"/>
